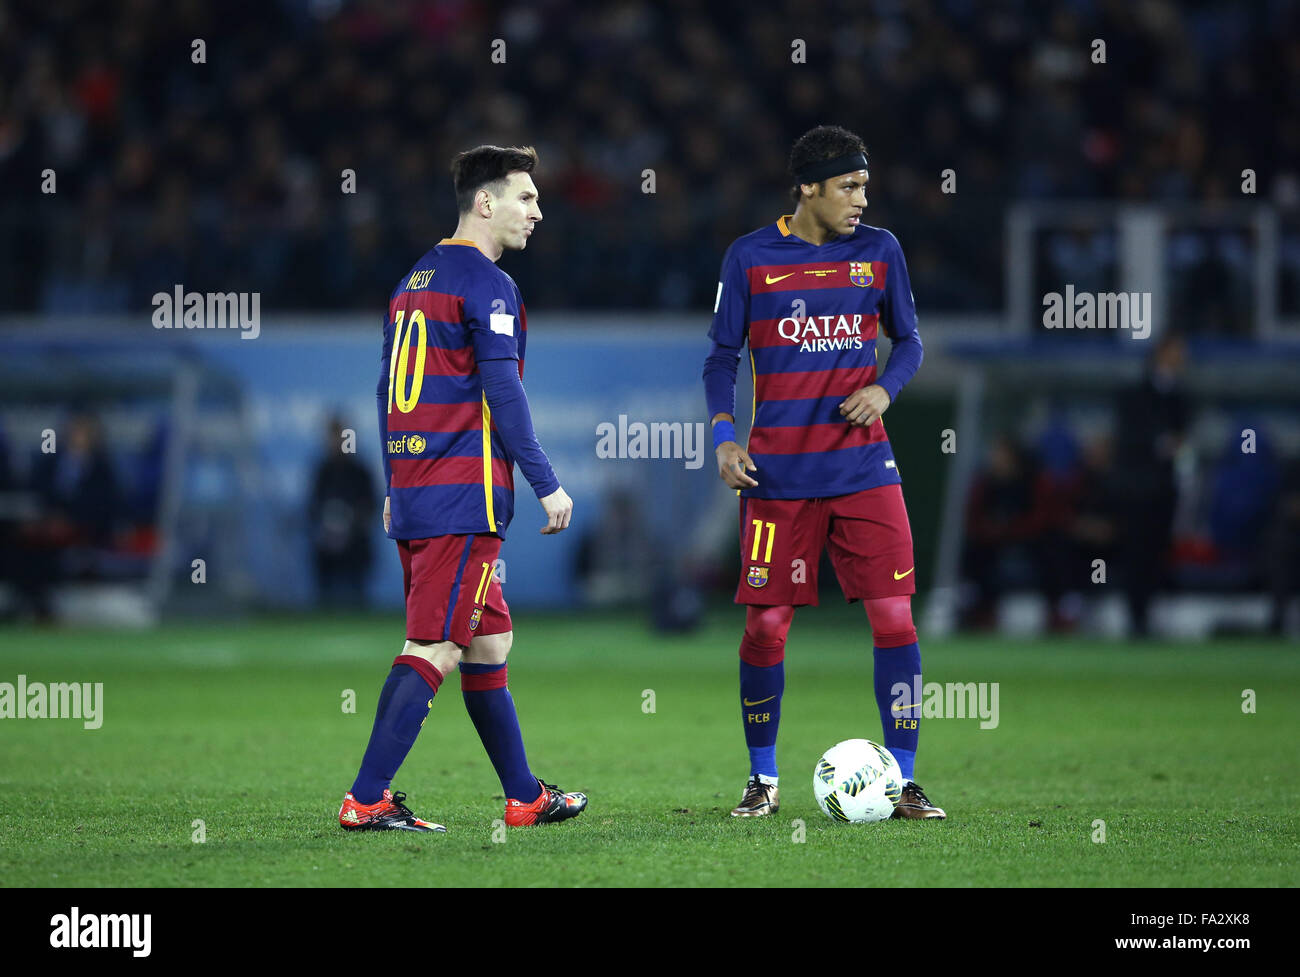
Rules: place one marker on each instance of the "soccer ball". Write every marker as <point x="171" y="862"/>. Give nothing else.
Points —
<point x="857" y="781"/>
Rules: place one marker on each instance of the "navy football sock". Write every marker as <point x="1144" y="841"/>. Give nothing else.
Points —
<point x="899" y="714"/>
<point x="492" y="710"/>
<point x="760" y="701"/>
<point x="404" y="703"/>
<point x="762" y="682"/>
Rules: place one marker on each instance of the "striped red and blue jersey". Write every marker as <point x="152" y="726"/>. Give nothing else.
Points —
<point x="448" y="470"/>
<point x="810" y="315"/>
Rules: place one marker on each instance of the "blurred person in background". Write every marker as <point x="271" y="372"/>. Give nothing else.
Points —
<point x="1282" y="546"/>
<point x="1090" y="528"/>
<point x="1003" y="524"/>
<point x="13" y="503"/>
<point x="342" y="509"/>
<point x="1057" y="484"/>
<point x="1093" y="527"/>
<point x="1151" y="428"/>
<point x="79" y="511"/>
<point x="1243" y="497"/>
<point x="606" y="575"/>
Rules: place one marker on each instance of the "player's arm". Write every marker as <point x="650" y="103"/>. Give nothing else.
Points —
<point x="728" y="332"/>
<point x="496" y="349"/>
<point x="514" y="422"/>
<point x="864" y="407"/>
<point x="385" y="364"/>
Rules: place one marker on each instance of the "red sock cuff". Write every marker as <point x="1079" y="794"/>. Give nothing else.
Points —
<point x="895" y="640"/>
<point x="484" y="682"/>
<point x="764" y="656"/>
<point x="424" y="667"/>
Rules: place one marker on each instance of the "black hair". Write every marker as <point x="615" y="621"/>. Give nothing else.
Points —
<point x="488" y="166"/>
<point x="818" y="145"/>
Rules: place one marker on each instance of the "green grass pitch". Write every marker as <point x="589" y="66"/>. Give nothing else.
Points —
<point x="241" y="725"/>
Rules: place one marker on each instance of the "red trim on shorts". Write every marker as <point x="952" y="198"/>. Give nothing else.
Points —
<point x="424" y="667"/>
<point x="485" y="682"/>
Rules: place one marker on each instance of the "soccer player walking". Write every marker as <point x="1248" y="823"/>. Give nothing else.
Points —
<point x="808" y="294"/>
<point x="454" y="421"/>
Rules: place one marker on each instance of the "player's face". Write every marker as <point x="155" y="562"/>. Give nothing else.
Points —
<point x="839" y="202"/>
<point x="515" y="212"/>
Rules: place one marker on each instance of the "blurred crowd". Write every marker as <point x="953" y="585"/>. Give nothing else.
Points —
<point x="1040" y="515"/>
<point x="228" y="175"/>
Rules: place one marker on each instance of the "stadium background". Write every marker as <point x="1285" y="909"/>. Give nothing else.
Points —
<point x="304" y="159"/>
<point x="229" y="176"/>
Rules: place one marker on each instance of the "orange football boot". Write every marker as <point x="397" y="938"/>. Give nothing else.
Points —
<point x="386" y="814"/>
<point x="553" y="805"/>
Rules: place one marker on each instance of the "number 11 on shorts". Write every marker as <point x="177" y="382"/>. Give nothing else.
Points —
<point x="481" y="594"/>
<point x="758" y="537"/>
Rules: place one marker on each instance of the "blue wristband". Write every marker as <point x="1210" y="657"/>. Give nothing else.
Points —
<point x="723" y="431"/>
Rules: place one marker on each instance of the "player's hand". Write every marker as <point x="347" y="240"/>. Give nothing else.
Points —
<point x="559" y="509"/>
<point x="733" y="462"/>
<point x="388" y="516"/>
<point x="862" y="408"/>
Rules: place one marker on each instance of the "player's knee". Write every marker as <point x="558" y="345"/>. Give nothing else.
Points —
<point x="891" y="621"/>
<point x="765" y="633"/>
<point x="442" y="655"/>
<point x="490" y="649"/>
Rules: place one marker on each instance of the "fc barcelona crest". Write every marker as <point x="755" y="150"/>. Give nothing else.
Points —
<point x="474" y="618"/>
<point x="757" y="577"/>
<point x="860" y="273"/>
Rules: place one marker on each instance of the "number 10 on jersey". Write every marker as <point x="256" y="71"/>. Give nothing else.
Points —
<point x="398" y="362"/>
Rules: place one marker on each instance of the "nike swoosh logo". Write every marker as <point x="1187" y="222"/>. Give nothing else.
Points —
<point x="900" y="576"/>
<point x="772" y="281"/>
<point x="759" y="702"/>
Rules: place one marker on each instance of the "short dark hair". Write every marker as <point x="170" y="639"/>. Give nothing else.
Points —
<point x="488" y="166"/>
<point x="818" y="145"/>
